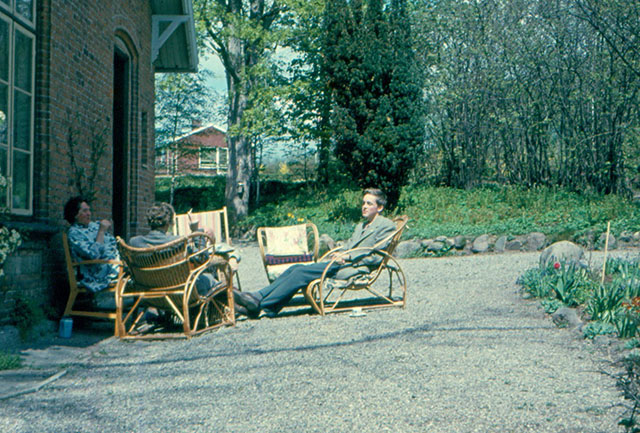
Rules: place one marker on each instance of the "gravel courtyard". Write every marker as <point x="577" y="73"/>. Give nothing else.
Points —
<point x="468" y="354"/>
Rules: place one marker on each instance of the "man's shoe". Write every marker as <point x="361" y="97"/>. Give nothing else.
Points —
<point x="240" y="310"/>
<point x="247" y="300"/>
<point x="270" y="313"/>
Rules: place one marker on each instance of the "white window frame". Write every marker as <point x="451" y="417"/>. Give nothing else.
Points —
<point x="14" y="21"/>
<point x="214" y="165"/>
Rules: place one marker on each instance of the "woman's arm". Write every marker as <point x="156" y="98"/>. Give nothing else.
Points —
<point x="84" y="244"/>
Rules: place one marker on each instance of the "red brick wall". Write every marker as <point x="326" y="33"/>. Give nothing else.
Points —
<point x="74" y="91"/>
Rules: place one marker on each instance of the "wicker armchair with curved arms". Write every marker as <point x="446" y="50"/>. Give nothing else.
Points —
<point x="164" y="277"/>
<point x="342" y="292"/>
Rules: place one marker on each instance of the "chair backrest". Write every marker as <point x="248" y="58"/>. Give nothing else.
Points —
<point x="214" y="220"/>
<point x="281" y="247"/>
<point x="392" y="240"/>
<point x="401" y="224"/>
<point x="71" y="271"/>
<point x="164" y="266"/>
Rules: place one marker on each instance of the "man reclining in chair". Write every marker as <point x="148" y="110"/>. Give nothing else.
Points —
<point x="373" y="229"/>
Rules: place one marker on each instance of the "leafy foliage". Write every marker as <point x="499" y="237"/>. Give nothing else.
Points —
<point x="25" y="315"/>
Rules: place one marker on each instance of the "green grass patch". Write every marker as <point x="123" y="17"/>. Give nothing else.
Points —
<point x="10" y="361"/>
<point x="434" y="211"/>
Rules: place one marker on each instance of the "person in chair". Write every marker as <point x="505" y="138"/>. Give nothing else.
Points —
<point x="373" y="229"/>
<point x="160" y="218"/>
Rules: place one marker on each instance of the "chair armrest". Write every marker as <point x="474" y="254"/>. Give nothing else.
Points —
<point x="97" y="262"/>
<point x="328" y="253"/>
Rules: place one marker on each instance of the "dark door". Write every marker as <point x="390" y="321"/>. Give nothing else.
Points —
<point x="121" y="65"/>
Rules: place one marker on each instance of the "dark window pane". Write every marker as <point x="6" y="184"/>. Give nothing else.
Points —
<point x="4" y="122"/>
<point x="4" y="50"/>
<point x="22" y="121"/>
<point x="3" y="172"/>
<point x="23" y="62"/>
<point x="21" y="180"/>
<point x="25" y="8"/>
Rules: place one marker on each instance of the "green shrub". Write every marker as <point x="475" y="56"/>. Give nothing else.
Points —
<point x="571" y="284"/>
<point x="551" y="305"/>
<point x="535" y="282"/>
<point x="25" y="315"/>
<point x="592" y="329"/>
<point x="605" y="302"/>
<point x="9" y="361"/>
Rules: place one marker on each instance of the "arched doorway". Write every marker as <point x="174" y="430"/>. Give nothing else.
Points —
<point x="121" y="142"/>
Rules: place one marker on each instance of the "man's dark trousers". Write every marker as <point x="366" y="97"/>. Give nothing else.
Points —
<point x="277" y="294"/>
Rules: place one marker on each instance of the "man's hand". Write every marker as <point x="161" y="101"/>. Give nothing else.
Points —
<point x="340" y="258"/>
<point x="194" y="226"/>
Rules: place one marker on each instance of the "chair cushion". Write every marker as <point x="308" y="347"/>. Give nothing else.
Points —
<point x="287" y="241"/>
<point x="295" y="258"/>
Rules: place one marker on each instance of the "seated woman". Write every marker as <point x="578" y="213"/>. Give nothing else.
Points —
<point x="91" y="240"/>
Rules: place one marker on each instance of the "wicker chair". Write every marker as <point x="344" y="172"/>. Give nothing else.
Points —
<point x="165" y="277"/>
<point x="328" y="295"/>
<point x="283" y="247"/>
<point x="216" y="221"/>
<point x="75" y="305"/>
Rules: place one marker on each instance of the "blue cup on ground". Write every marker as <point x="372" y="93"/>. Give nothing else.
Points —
<point x="66" y="326"/>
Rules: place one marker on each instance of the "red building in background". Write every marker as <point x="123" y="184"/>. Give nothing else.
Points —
<point x="203" y="151"/>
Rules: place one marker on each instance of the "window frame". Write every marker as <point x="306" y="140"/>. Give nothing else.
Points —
<point x="215" y="165"/>
<point x="15" y="26"/>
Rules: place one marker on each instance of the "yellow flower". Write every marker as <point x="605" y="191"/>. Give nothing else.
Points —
<point x="300" y="219"/>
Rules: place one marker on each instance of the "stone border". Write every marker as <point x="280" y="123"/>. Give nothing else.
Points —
<point x="486" y="243"/>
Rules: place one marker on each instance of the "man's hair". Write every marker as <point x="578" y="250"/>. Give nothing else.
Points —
<point x="72" y="207"/>
<point x="381" y="197"/>
<point x="160" y="215"/>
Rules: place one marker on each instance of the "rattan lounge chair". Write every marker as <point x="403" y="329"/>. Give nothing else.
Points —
<point x="165" y="277"/>
<point x="362" y="287"/>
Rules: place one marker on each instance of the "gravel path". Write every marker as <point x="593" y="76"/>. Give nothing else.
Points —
<point x="468" y="354"/>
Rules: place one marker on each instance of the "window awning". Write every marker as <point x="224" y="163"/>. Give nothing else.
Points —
<point x="173" y="36"/>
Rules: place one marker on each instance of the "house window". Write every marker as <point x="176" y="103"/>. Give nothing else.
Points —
<point x="213" y="158"/>
<point x="17" y="59"/>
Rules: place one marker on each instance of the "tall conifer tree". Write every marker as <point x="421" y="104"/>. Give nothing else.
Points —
<point x="376" y="92"/>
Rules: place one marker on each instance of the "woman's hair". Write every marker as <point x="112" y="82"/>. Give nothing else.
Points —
<point x="160" y="215"/>
<point x="72" y="208"/>
<point x="381" y="197"/>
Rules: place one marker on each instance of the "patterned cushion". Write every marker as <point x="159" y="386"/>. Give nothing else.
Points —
<point x="287" y="241"/>
<point x="278" y="260"/>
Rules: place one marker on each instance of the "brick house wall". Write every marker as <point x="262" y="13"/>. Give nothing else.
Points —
<point x="74" y="94"/>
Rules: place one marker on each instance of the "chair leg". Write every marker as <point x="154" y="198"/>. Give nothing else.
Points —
<point x="73" y="294"/>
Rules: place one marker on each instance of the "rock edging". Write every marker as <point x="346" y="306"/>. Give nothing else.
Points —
<point x="486" y="243"/>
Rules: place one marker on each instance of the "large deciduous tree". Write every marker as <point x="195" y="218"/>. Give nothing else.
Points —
<point x="376" y="91"/>
<point x="239" y="32"/>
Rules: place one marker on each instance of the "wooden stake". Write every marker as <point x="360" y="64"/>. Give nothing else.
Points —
<point x="606" y="247"/>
